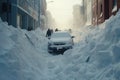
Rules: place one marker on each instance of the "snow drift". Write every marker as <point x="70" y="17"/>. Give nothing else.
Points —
<point x="20" y="57"/>
<point x="97" y="56"/>
<point x="24" y="56"/>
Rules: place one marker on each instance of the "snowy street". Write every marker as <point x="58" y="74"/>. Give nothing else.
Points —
<point x="24" y="56"/>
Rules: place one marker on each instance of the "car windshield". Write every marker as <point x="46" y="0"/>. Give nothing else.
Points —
<point x="60" y="34"/>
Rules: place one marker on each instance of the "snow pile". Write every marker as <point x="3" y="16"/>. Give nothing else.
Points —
<point x="20" y="58"/>
<point x="97" y="57"/>
<point x="24" y="56"/>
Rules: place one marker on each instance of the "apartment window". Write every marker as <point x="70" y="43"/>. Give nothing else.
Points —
<point x="6" y="7"/>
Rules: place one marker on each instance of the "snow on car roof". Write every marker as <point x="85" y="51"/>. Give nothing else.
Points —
<point x="61" y="34"/>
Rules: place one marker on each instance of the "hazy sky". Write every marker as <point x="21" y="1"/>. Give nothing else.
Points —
<point x="61" y="10"/>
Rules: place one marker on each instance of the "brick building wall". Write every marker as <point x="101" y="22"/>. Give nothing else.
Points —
<point x="112" y="6"/>
<point x="101" y="12"/>
<point x="103" y="9"/>
<point x="119" y="4"/>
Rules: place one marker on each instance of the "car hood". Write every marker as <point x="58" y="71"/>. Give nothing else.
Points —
<point x="60" y="39"/>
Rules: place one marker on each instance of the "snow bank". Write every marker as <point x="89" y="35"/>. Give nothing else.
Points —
<point x="24" y="56"/>
<point x="20" y="58"/>
<point x="97" y="56"/>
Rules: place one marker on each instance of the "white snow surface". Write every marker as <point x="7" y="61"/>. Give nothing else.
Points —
<point x="24" y="56"/>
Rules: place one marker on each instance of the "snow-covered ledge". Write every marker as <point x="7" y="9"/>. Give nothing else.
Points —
<point x="114" y="9"/>
<point x="101" y="14"/>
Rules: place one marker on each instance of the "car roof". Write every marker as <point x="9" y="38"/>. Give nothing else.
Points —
<point x="58" y="33"/>
<point x="61" y="32"/>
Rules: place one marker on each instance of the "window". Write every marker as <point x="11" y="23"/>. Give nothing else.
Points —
<point x="6" y="7"/>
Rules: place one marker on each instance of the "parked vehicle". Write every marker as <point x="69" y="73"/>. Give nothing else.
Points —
<point x="60" y="40"/>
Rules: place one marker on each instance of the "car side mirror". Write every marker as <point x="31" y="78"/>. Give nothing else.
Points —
<point x="73" y="37"/>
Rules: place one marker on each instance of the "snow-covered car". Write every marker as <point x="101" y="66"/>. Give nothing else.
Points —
<point x="61" y="40"/>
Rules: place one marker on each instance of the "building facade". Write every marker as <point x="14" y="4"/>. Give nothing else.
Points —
<point x="87" y="9"/>
<point x="89" y="12"/>
<point x="94" y="11"/>
<point x="103" y="9"/>
<point x="42" y="16"/>
<point x="20" y="13"/>
<point x="43" y="7"/>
